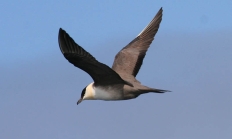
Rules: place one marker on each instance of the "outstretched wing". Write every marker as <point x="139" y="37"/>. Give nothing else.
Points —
<point x="129" y="60"/>
<point x="75" y="54"/>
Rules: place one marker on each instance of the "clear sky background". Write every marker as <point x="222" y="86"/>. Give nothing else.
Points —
<point x="191" y="56"/>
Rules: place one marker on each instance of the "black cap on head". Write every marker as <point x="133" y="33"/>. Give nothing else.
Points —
<point x="82" y="95"/>
<point x="83" y="92"/>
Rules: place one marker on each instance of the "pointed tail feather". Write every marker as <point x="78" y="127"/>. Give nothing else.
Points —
<point x="154" y="90"/>
<point x="159" y="90"/>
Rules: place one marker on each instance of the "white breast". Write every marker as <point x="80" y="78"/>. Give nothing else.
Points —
<point x="108" y="93"/>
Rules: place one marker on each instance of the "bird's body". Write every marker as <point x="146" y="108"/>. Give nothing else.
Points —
<point x="109" y="92"/>
<point x="118" y="82"/>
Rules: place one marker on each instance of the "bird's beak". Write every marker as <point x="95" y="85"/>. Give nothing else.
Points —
<point x="79" y="101"/>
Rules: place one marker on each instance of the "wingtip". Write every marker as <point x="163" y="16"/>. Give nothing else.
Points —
<point x="61" y="30"/>
<point x="160" y="10"/>
<point x="61" y="36"/>
<point x="156" y="20"/>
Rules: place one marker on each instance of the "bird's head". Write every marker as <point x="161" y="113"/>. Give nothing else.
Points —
<point x="87" y="93"/>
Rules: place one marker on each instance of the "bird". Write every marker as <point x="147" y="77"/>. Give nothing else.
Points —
<point x="118" y="82"/>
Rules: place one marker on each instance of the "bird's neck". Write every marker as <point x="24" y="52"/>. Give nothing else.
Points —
<point x="90" y="92"/>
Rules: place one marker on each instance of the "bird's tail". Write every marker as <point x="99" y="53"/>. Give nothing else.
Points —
<point x="158" y="90"/>
<point x="148" y="89"/>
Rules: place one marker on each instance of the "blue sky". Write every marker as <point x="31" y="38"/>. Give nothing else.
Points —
<point x="191" y="56"/>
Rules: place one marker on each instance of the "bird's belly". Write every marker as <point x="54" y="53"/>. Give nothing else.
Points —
<point x="108" y="94"/>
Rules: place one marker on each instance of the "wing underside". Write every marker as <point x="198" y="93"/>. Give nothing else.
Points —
<point x="130" y="58"/>
<point x="75" y="54"/>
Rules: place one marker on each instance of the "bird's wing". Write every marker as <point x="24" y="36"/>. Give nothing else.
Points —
<point x="75" y="54"/>
<point x="130" y="58"/>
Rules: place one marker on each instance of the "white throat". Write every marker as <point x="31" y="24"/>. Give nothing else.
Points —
<point x="89" y="92"/>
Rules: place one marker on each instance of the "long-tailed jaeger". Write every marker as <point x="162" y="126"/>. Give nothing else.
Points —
<point x="118" y="82"/>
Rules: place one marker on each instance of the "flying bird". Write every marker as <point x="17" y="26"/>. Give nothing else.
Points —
<point x="118" y="82"/>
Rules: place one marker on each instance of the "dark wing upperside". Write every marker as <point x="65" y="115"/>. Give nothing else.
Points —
<point x="130" y="58"/>
<point x="75" y="54"/>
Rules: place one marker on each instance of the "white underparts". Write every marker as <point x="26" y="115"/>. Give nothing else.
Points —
<point x="100" y="93"/>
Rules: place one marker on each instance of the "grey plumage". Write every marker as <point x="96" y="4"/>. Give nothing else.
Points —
<point x="129" y="60"/>
<point x="118" y="83"/>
